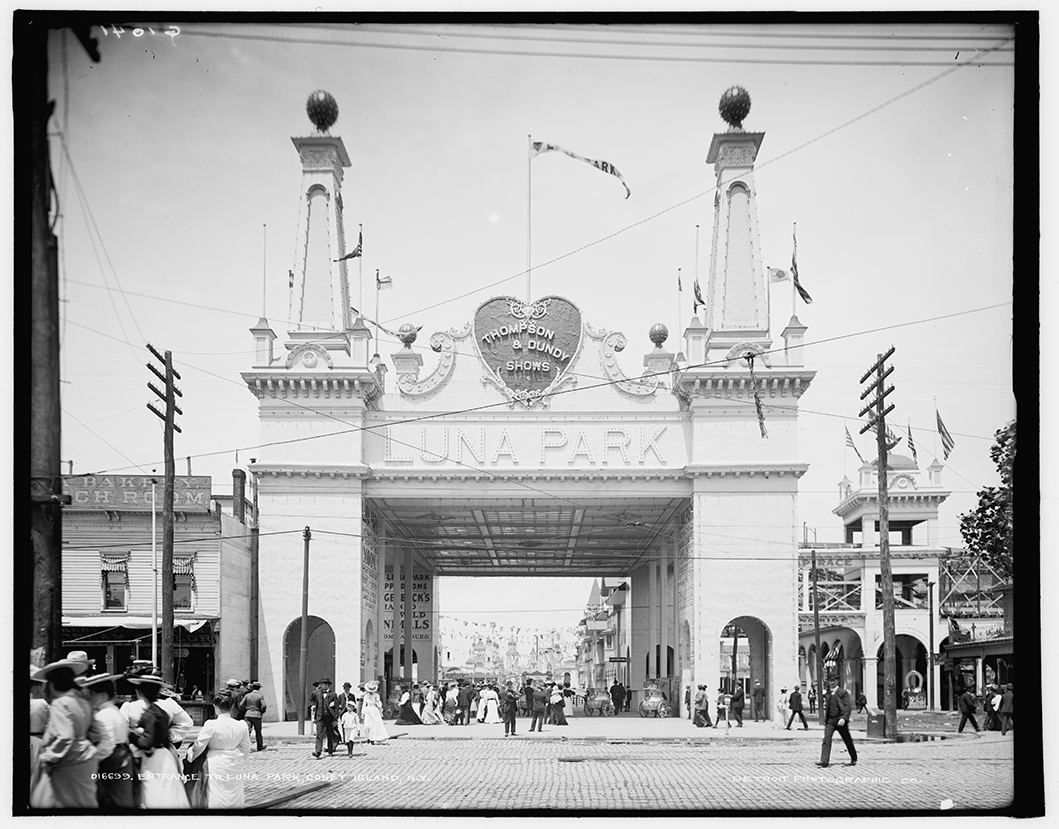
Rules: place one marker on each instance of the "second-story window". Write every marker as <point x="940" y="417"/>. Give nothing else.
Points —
<point x="184" y="582"/>
<point x="115" y="581"/>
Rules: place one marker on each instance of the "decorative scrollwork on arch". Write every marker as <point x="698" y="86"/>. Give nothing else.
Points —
<point x="443" y="343"/>
<point x="309" y="355"/>
<point x="614" y="342"/>
<point x="738" y="353"/>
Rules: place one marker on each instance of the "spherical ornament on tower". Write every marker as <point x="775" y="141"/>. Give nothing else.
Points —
<point x="658" y="334"/>
<point x="322" y="109"/>
<point x="735" y="106"/>
<point x="407" y="333"/>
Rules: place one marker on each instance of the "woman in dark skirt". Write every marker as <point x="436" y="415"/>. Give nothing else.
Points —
<point x="406" y="715"/>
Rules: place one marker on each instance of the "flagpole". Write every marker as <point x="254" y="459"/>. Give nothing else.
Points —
<point x="377" y="312"/>
<point x="360" y="271"/>
<point x="529" y="215"/>
<point x="935" y="430"/>
<point x="794" y="291"/>
<point x="697" y="262"/>
<point x="680" y="290"/>
<point x="264" y="267"/>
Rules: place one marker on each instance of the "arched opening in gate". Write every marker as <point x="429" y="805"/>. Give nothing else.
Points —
<point x="911" y="665"/>
<point x="746" y="657"/>
<point x="400" y="677"/>
<point x="319" y="662"/>
<point x="845" y="659"/>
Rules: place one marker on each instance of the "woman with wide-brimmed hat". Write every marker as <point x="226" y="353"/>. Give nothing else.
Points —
<point x="226" y="743"/>
<point x="38" y="721"/>
<point x="67" y="762"/>
<point x="374" y="730"/>
<point x="406" y="715"/>
<point x="451" y="706"/>
<point x="161" y="785"/>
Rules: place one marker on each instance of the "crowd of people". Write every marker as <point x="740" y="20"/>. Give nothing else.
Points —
<point x="87" y="753"/>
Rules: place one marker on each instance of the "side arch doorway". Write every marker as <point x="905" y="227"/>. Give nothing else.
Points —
<point x="319" y="662"/>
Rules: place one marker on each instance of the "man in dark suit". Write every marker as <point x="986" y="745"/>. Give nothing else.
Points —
<point x="757" y="696"/>
<point x="324" y="703"/>
<point x="968" y="708"/>
<point x="464" y="696"/>
<point x="738" y="704"/>
<point x="1007" y="709"/>
<point x="794" y="703"/>
<point x="509" y="706"/>
<point x="540" y="708"/>
<point x="839" y="706"/>
<point x="527" y="693"/>
<point x="617" y="696"/>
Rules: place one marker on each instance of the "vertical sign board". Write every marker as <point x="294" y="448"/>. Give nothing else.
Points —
<point x="422" y="602"/>
<point x="369" y="579"/>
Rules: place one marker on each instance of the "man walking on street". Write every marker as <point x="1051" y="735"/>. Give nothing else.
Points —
<point x="509" y="705"/>
<point x="617" y="696"/>
<point x="464" y="698"/>
<point x="738" y="703"/>
<point x="1007" y="709"/>
<point x="324" y="702"/>
<point x="968" y="708"/>
<point x="702" y="708"/>
<point x="794" y="703"/>
<point x="838" y="708"/>
<point x="254" y="709"/>
<point x="757" y="696"/>
<point x="540" y="708"/>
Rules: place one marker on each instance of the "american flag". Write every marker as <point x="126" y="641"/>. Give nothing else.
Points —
<point x="852" y="445"/>
<point x="698" y="298"/>
<point x="804" y="294"/>
<point x="911" y="445"/>
<point x="946" y="439"/>
<point x="357" y="251"/>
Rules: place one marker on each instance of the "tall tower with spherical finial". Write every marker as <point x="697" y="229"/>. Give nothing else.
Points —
<point x="321" y="298"/>
<point x="737" y="300"/>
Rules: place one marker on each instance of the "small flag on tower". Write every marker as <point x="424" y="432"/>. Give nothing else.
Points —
<point x="777" y="275"/>
<point x="852" y="445"/>
<point x="912" y="446"/>
<point x="680" y="288"/>
<point x="357" y="251"/>
<point x="946" y="439"/>
<point x="698" y="298"/>
<point x="538" y="147"/>
<point x="804" y="294"/>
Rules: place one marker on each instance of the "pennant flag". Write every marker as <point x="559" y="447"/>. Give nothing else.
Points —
<point x="538" y="147"/>
<point x="776" y="275"/>
<point x="356" y="251"/>
<point x="698" y="298"/>
<point x="946" y="439"/>
<point x="291" y="278"/>
<point x="912" y="446"/>
<point x="383" y="282"/>
<point x="804" y="294"/>
<point x="852" y="445"/>
<point x="680" y="288"/>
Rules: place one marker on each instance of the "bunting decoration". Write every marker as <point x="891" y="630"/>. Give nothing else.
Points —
<point x="912" y="446"/>
<point x="853" y="446"/>
<point x="749" y="357"/>
<point x="946" y="439"/>
<point x="538" y="147"/>
<point x="698" y="298"/>
<point x="804" y="294"/>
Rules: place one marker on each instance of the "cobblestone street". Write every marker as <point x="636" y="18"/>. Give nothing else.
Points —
<point x="476" y="768"/>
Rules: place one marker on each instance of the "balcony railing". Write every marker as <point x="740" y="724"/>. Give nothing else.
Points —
<point x="834" y="596"/>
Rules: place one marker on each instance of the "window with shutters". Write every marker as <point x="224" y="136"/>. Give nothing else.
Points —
<point x="114" y="570"/>
<point x="184" y="582"/>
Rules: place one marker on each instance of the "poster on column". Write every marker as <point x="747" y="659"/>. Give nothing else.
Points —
<point x="422" y="605"/>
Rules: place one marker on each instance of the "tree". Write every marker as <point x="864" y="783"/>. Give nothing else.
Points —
<point x="988" y="531"/>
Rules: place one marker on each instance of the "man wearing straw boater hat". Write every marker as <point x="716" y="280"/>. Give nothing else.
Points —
<point x="67" y="759"/>
<point x="116" y="765"/>
<point x="325" y="703"/>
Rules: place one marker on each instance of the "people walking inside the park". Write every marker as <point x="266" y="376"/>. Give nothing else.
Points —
<point x="558" y="701"/>
<point x="527" y="694"/>
<point x="723" y="702"/>
<point x="466" y="696"/>
<point x="738" y="703"/>
<point x="702" y="708"/>
<point x="968" y="706"/>
<point x="993" y="698"/>
<point x="254" y="708"/>
<point x="418" y="699"/>
<point x="812" y="699"/>
<point x="757" y="697"/>
<point x="405" y="714"/>
<point x="67" y="757"/>
<point x="794" y="704"/>
<point x="1007" y="709"/>
<point x="117" y="768"/>
<point x="837" y="713"/>
<point x="350" y="726"/>
<point x="489" y="706"/>
<point x="347" y="694"/>
<point x="373" y="730"/>
<point x="780" y="717"/>
<point x="617" y="696"/>
<point x="540" y="708"/>
<point x="509" y="705"/>
<point x="237" y="690"/>
<point x="38" y="721"/>
<point x="324" y="704"/>
<point x="862" y="702"/>
<point x="451" y="705"/>
<point x="431" y="713"/>
<point x="226" y="744"/>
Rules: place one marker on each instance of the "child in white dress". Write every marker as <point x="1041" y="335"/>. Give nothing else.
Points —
<point x="350" y="723"/>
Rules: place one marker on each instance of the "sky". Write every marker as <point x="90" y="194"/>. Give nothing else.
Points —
<point x="178" y="188"/>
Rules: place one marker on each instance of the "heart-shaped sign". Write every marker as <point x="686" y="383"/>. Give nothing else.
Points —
<point x="528" y="346"/>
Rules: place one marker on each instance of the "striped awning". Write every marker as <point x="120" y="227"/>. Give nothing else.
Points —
<point x="111" y="563"/>
<point x="185" y="566"/>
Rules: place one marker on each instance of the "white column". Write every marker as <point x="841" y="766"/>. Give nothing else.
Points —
<point x="407" y="610"/>
<point x="663" y="607"/>
<point x="652" y="618"/>
<point x="380" y="605"/>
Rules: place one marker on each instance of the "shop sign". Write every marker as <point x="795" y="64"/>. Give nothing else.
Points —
<point x="528" y="346"/>
<point x="191" y="493"/>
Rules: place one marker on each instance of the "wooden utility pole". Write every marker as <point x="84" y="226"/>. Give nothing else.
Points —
<point x="303" y="657"/>
<point x="877" y="420"/>
<point x="171" y="410"/>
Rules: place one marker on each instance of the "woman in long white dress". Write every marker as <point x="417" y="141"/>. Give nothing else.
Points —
<point x="489" y="707"/>
<point x="161" y="783"/>
<point x="226" y="743"/>
<point x="781" y="710"/>
<point x="371" y="714"/>
<point x="430" y="707"/>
